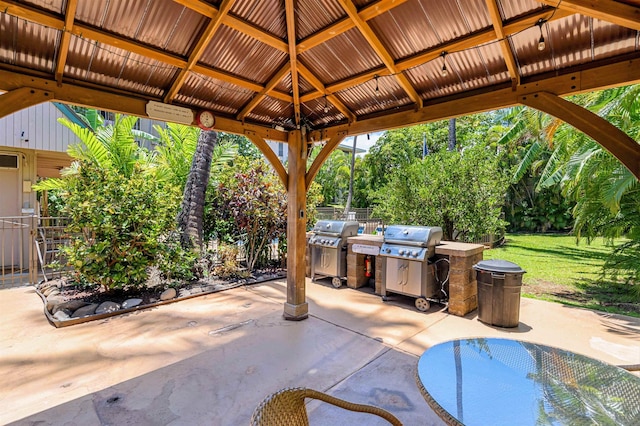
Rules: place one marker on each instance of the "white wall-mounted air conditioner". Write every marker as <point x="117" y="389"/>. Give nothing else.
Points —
<point x="9" y="161"/>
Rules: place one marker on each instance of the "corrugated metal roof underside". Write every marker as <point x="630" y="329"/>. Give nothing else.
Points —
<point x="410" y="28"/>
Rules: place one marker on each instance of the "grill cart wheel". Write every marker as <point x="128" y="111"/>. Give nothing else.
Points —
<point x="422" y="304"/>
<point x="337" y="282"/>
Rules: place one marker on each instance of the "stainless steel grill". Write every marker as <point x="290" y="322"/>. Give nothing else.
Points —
<point x="328" y="248"/>
<point x="406" y="268"/>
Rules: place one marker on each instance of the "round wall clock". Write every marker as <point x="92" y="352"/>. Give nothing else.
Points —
<point x="205" y="120"/>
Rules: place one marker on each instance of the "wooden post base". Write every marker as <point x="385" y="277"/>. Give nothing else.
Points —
<point x="296" y="312"/>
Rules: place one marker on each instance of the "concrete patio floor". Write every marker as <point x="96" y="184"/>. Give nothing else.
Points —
<point x="210" y="360"/>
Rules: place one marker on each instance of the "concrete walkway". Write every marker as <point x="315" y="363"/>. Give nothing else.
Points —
<point x="211" y="360"/>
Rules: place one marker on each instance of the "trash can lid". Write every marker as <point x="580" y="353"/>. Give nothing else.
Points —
<point x="497" y="265"/>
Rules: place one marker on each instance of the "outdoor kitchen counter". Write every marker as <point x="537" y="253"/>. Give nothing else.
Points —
<point x="463" y="288"/>
<point x="355" y="261"/>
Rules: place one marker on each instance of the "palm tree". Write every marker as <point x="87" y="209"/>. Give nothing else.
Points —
<point x="190" y="218"/>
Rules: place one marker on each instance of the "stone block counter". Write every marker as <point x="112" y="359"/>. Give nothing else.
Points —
<point x="355" y="260"/>
<point x="463" y="288"/>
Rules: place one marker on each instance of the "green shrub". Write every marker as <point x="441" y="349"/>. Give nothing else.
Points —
<point x="117" y="221"/>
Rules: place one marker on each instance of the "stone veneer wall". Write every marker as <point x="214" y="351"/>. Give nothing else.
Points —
<point x="355" y="262"/>
<point x="463" y="287"/>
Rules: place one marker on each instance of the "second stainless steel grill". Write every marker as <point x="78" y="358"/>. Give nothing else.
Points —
<point x="406" y="269"/>
<point x="328" y="248"/>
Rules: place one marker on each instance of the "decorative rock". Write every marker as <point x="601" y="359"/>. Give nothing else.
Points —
<point x="85" y="310"/>
<point x="130" y="303"/>
<point x="54" y="292"/>
<point x="70" y="305"/>
<point x="62" y="315"/>
<point x="48" y="290"/>
<point x="168" y="294"/>
<point x="107" y="307"/>
<point x="53" y="301"/>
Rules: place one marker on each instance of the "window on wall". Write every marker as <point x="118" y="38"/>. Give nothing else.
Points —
<point x="8" y="161"/>
<point x="280" y="149"/>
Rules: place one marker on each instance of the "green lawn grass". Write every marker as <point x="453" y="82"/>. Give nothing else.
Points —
<point x="560" y="270"/>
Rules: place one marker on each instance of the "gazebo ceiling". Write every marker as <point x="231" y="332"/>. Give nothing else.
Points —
<point x="319" y="65"/>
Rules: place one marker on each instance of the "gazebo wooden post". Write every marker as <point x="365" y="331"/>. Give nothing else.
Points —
<point x="296" y="307"/>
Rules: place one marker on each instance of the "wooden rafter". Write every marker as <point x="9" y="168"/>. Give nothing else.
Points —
<point x="477" y="38"/>
<point x="580" y="81"/>
<point x="199" y="49"/>
<point x="20" y="98"/>
<point x="381" y="51"/>
<point x="507" y="53"/>
<point x="317" y="84"/>
<point x="237" y="24"/>
<point x="111" y="39"/>
<point x="344" y="25"/>
<point x="110" y="99"/>
<point x="293" y="59"/>
<point x="63" y="50"/>
<point x="258" y="97"/>
<point x="322" y="156"/>
<point x="264" y="147"/>
<point x="611" y="11"/>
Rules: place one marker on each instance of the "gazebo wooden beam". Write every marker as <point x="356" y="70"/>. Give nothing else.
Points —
<point x="381" y="51"/>
<point x="63" y="50"/>
<point x="111" y="100"/>
<point x="579" y="81"/>
<point x="611" y="11"/>
<point x="606" y="134"/>
<point x="367" y="13"/>
<point x="199" y="48"/>
<point x="317" y="84"/>
<point x="237" y="24"/>
<point x="322" y="156"/>
<point x="293" y="57"/>
<point x="23" y="97"/>
<point x="505" y="46"/>
<point x="480" y="37"/>
<point x="296" y="307"/>
<point x="258" y="97"/>
<point x="90" y="33"/>
<point x="271" y="156"/>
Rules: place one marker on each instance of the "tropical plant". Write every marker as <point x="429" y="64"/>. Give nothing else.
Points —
<point x="462" y="192"/>
<point x="116" y="223"/>
<point x="606" y="195"/>
<point x="117" y="209"/>
<point x="252" y="202"/>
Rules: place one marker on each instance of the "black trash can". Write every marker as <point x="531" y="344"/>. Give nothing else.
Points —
<point x="499" y="287"/>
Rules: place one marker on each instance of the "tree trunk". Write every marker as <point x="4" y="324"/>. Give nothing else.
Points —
<point x="192" y="210"/>
<point x="353" y="165"/>
<point x="452" y="135"/>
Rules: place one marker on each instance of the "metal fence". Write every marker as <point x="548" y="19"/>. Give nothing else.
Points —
<point x="17" y="255"/>
<point x="30" y="249"/>
<point x="335" y="213"/>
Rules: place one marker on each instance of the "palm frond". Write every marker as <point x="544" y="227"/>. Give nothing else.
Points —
<point x="527" y="160"/>
<point x="513" y="133"/>
<point x="49" y="184"/>
<point x="90" y="147"/>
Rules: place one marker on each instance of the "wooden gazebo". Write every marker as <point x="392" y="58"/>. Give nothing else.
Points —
<point x="312" y="72"/>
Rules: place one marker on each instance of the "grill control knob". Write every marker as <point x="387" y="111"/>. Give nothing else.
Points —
<point x="401" y="252"/>
<point x="388" y="250"/>
<point x="414" y="253"/>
